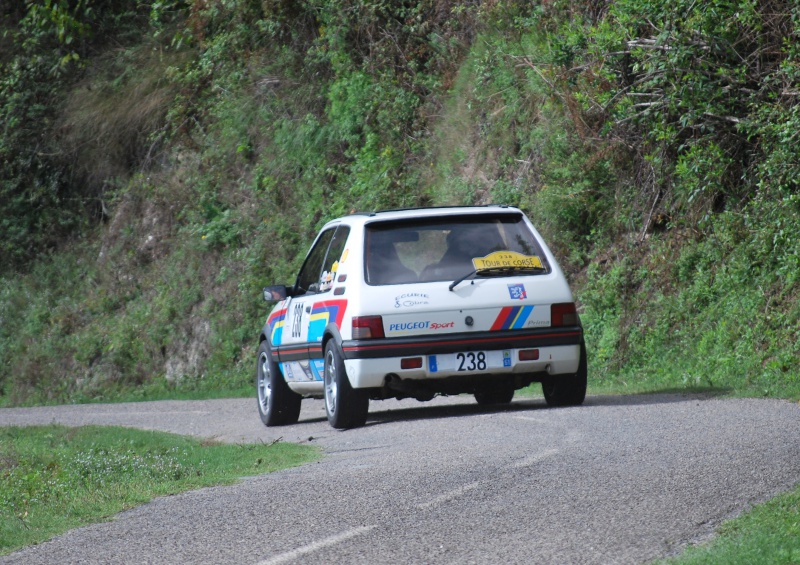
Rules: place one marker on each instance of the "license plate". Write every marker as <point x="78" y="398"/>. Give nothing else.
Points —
<point x="469" y="361"/>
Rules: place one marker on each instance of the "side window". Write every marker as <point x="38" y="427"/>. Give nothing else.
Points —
<point x="308" y="279"/>
<point x="331" y="264"/>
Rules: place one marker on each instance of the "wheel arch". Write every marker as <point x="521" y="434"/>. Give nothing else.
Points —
<point x="332" y="333"/>
<point x="262" y="339"/>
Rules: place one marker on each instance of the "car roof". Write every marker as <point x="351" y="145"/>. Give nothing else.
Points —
<point x="362" y="218"/>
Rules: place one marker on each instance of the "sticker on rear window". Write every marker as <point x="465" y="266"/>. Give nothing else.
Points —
<point x="507" y="259"/>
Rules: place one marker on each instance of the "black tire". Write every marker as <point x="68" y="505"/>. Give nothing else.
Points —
<point x="278" y="405"/>
<point x="345" y="406"/>
<point x="567" y="390"/>
<point x="496" y="395"/>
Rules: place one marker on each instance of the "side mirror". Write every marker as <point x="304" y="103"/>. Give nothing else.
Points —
<point x="276" y="293"/>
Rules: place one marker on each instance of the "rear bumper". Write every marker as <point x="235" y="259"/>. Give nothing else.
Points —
<point x="369" y="362"/>
<point x="460" y="342"/>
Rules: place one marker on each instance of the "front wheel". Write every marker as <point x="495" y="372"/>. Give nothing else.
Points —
<point x="567" y="390"/>
<point x="278" y="405"/>
<point x="345" y="406"/>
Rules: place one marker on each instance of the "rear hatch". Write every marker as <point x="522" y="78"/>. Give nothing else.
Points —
<point x="475" y="272"/>
<point x="486" y="304"/>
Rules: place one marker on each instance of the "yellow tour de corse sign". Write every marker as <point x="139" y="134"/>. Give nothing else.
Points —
<point x="507" y="259"/>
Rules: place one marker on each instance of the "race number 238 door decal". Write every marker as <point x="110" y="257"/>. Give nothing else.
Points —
<point x="297" y="320"/>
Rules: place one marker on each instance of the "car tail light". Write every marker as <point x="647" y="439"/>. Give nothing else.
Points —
<point x="564" y="314"/>
<point x="411" y="363"/>
<point x="529" y="355"/>
<point x="367" y="327"/>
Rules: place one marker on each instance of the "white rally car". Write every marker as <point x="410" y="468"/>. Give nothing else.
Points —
<point x="414" y="303"/>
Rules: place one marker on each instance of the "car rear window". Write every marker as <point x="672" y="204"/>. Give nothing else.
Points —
<point x="444" y="248"/>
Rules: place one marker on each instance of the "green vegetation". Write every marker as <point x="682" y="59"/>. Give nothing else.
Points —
<point x="162" y="162"/>
<point x="54" y="478"/>
<point x="768" y="535"/>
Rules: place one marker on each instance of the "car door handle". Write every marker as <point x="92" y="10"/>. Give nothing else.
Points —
<point x="308" y="308"/>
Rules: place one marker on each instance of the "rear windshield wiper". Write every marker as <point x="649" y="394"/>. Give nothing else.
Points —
<point x="505" y="270"/>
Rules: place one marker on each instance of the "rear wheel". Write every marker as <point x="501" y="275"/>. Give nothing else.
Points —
<point x="345" y="406"/>
<point x="567" y="390"/>
<point x="496" y="395"/>
<point x="278" y="405"/>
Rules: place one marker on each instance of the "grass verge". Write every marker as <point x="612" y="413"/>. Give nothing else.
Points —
<point x="769" y="535"/>
<point x="54" y="478"/>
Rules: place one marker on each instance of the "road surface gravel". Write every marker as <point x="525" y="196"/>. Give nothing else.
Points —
<point x="621" y="479"/>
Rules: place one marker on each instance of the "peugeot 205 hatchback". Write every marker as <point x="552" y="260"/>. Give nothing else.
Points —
<point x="415" y="303"/>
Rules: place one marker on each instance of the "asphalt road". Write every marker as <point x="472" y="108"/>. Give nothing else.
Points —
<point x="622" y="479"/>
